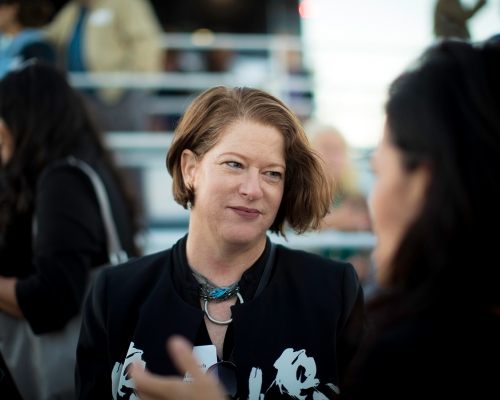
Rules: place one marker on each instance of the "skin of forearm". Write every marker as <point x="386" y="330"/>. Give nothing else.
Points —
<point x="8" y="299"/>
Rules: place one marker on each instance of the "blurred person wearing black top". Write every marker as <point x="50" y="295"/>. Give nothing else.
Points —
<point x="43" y="121"/>
<point x="435" y="326"/>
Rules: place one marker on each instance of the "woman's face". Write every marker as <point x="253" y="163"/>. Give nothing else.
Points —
<point x="395" y="202"/>
<point x="6" y="143"/>
<point x="238" y="184"/>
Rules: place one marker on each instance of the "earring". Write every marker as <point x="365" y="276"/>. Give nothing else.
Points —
<point x="189" y="205"/>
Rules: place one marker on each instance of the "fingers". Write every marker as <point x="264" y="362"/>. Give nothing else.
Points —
<point x="153" y="387"/>
<point x="181" y="352"/>
<point x="150" y="386"/>
<point x="204" y="386"/>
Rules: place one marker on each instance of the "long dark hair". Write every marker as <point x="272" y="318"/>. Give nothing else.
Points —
<point x="444" y="112"/>
<point x="48" y="121"/>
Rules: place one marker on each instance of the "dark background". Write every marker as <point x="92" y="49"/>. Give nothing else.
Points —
<point x="231" y="16"/>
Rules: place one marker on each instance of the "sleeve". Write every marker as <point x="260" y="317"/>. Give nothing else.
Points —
<point x="355" y="324"/>
<point x="93" y="375"/>
<point x="141" y="30"/>
<point x="70" y="239"/>
<point x="40" y="50"/>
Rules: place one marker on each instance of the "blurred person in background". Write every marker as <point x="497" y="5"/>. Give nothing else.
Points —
<point x="348" y="210"/>
<point x="110" y="36"/>
<point x="435" y="326"/>
<point x="43" y="278"/>
<point x="450" y="18"/>
<point x="20" y="39"/>
<point x="279" y="322"/>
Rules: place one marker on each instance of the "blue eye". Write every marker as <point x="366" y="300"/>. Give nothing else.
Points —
<point x="234" y="164"/>
<point x="274" y="174"/>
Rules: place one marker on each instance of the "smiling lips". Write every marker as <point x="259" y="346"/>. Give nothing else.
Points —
<point x="248" y="213"/>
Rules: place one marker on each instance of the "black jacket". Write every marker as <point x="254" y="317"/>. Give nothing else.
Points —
<point x="310" y="318"/>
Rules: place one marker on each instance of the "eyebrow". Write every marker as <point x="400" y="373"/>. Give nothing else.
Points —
<point x="230" y="153"/>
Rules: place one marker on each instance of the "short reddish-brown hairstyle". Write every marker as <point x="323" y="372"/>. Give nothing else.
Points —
<point x="308" y="190"/>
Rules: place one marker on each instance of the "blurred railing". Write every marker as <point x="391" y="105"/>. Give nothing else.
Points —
<point x="270" y="73"/>
<point x="161" y="239"/>
<point x="225" y="41"/>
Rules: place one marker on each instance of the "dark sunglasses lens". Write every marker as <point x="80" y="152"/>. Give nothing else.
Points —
<point x="225" y="372"/>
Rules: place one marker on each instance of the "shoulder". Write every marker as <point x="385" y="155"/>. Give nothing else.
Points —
<point x="73" y="172"/>
<point x="310" y="272"/>
<point x="140" y="273"/>
<point x="63" y="175"/>
<point x="312" y="264"/>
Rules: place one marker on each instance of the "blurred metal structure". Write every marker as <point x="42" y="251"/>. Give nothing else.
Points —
<point x="161" y="239"/>
<point x="271" y="74"/>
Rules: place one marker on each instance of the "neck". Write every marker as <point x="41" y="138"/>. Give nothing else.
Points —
<point x="222" y="263"/>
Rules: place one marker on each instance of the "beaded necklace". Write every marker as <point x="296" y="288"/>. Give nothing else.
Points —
<point x="210" y="291"/>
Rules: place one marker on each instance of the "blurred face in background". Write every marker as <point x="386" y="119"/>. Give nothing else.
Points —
<point x="8" y="15"/>
<point x="6" y="143"/>
<point x="396" y="201"/>
<point x="332" y="148"/>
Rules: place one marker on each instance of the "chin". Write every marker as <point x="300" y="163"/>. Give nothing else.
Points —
<point x="242" y="235"/>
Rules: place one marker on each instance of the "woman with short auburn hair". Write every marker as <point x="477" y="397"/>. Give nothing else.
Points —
<point x="308" y="190"/>
<point x="268" y="320"/>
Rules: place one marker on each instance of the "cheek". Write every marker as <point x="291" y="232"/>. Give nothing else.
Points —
<point x="275" y="196"/>
<point x="6" y="148"/>
<point x="210" y="190"/>
<point x="387" y="207"/>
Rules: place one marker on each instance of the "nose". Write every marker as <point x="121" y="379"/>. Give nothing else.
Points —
<point x="251" y="187"/>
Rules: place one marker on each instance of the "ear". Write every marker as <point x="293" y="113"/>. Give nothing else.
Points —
<point x="189" y="162"/>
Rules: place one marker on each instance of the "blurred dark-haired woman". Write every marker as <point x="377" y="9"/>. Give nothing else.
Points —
<point x="20" y="39"/>
<point x="43" y="278"/>
<point x="436" y="326"/>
